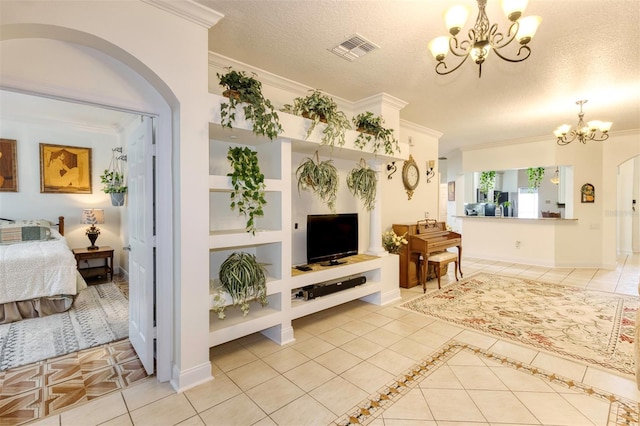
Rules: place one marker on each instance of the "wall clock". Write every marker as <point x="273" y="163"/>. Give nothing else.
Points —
<point x="410" y="176"/>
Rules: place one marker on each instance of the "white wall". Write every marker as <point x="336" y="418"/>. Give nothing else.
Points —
<point x="29" y="203"/>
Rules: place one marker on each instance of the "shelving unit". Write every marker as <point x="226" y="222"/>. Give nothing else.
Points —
<point x="272" y="243"/>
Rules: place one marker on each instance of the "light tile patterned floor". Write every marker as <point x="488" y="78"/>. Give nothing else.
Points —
<point x="348" y="355"/>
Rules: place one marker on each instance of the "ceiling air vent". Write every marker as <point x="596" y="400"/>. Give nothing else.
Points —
<point x="354" y="47"/>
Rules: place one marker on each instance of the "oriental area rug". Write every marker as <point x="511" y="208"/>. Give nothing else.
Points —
<point x="587" y="326"/>
<point x="99" y="315"/>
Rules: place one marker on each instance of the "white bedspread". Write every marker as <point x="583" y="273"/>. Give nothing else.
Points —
<point x="37" y="269"/>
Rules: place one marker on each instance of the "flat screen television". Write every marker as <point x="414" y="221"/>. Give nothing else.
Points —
<point x="331" y="237"/>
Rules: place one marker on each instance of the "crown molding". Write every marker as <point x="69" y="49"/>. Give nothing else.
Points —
<point x="408" y="125"/>
<point x="189" y="10"/>
<point x="381" y="98"/>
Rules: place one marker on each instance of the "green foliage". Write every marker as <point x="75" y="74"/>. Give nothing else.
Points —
<point x="319" y="107"/>
<point x="245" y="89"/>
<point x="248" y="184"/>
<point x="487" y="181"/>
<point x="372" y="131"/>
<point x="113" y="181"/>
<point x="362" y="182"/>
<point x="244" y="279"/>
<point x="320" y="177"/>
<point x="535" y="175"/>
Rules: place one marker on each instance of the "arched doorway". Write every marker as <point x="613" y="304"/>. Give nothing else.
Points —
<point x="126" y="84"/>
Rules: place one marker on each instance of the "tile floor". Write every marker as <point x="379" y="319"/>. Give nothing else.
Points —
<point x="347" y="362"/>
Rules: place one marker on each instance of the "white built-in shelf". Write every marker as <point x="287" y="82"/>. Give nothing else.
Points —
<point x="241" y="238"/>
<point x="223" y="184"/>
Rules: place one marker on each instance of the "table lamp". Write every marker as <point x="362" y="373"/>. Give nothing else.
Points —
<point x="91" y="217"/>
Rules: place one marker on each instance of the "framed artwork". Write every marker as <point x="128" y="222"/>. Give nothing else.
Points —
<point x="588" y="193"/>
<point x="8" y="165"/>
<point x="65" y="169"/>
<point x="451" y="191"/>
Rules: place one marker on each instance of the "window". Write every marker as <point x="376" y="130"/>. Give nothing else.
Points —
<point x="527" y="203"/>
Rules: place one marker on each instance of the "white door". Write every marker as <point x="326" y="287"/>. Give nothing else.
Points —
<point x="140" y="159"/>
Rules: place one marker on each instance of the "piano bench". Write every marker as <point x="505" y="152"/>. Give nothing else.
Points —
<point x="438" y="260"/>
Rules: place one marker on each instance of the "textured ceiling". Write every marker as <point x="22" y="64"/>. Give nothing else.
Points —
<point x="584" y="49"/>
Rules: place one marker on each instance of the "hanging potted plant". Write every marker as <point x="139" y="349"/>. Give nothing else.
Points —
<point x="113" y="179"/>
<point x="535" y="175"/>
<point x="321" y="177"/>
<point x="245" y="89"/>
<point x="487" y="181"/>
<point x="248" y="184"/>
<point x="362" y="182"/>
<point x="319" y="107"/>
<point x="372" y="131"/>
<point x="244" y="279"/>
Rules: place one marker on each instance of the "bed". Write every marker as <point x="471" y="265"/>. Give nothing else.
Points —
<point x="38" y="274"/>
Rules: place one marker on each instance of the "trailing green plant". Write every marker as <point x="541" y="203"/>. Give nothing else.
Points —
<point x="372" y="131"/>
<point x="113" y="181"/>
<point x="248" y="184"/>
<point x="318" y="107"/>
<point x="245" y="89"/>
<point x="362" y="182"/>
<point x="244" y="279"/>
<point x="321" y="177"/>
<point x="487" y="181"/>
<point x="535" y="175"/>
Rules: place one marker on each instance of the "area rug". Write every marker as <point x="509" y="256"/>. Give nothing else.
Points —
<point x="100" y="314"/>
<point x="588" y="326"/>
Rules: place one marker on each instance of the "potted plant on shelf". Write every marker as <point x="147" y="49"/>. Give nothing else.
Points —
<point x="362" y="182"/>
<point x="248" y="193"/>
<point x="506" y="208"/>
<point x="245" y="89"/>
<point x="372" y="130"/>
<point x="319" y="107"/>
<point x="245" y="280"/>
<point x="114" y="185"/>
<point x="321" y="177"/>
<point x="535" y="175"/>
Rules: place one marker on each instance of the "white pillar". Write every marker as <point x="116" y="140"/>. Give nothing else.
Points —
<point x="375" y="215"/>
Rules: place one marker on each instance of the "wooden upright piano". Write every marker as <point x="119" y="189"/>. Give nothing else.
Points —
<point x="425" y="237"/>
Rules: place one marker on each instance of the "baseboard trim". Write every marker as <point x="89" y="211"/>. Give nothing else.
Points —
<point x="191" y="377"/>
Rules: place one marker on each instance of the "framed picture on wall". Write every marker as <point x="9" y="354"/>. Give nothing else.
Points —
<point x="451" y="191"/>
<point x="8" y="165"/>
<point x="65" y="169"/>
<point x="588" y="193"/>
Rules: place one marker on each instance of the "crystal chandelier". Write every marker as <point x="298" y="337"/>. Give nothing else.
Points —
<point x="594" y="130"/>
<point x="484" y="36"/>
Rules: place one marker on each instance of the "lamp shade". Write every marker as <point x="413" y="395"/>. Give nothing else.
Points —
<point x="92" y="216"/>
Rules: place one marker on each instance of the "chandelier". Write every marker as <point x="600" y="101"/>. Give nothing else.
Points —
<point x="593" y="131"/>
<point x="484" y="36"/>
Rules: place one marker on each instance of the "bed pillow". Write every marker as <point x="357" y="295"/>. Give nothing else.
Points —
<point x="25" y="230"/>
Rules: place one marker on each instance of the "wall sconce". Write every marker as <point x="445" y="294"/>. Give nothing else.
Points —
<point x="391" y="169"/>
<point x="430" y="172"/>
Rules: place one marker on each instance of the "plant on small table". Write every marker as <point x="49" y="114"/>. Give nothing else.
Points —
<point x="248" y="184"/>
<point x="320" y="177"/>
<point x="244" y="279"/>
<point x="319" y="107"/>
<point x="241" y="88"/>
<point x="371" y="130"/>
<point x="362" y="182"/>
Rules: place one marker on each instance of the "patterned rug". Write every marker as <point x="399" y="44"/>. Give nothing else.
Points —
<point x="587" y="326"/>
<point x="100" y="314"/>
